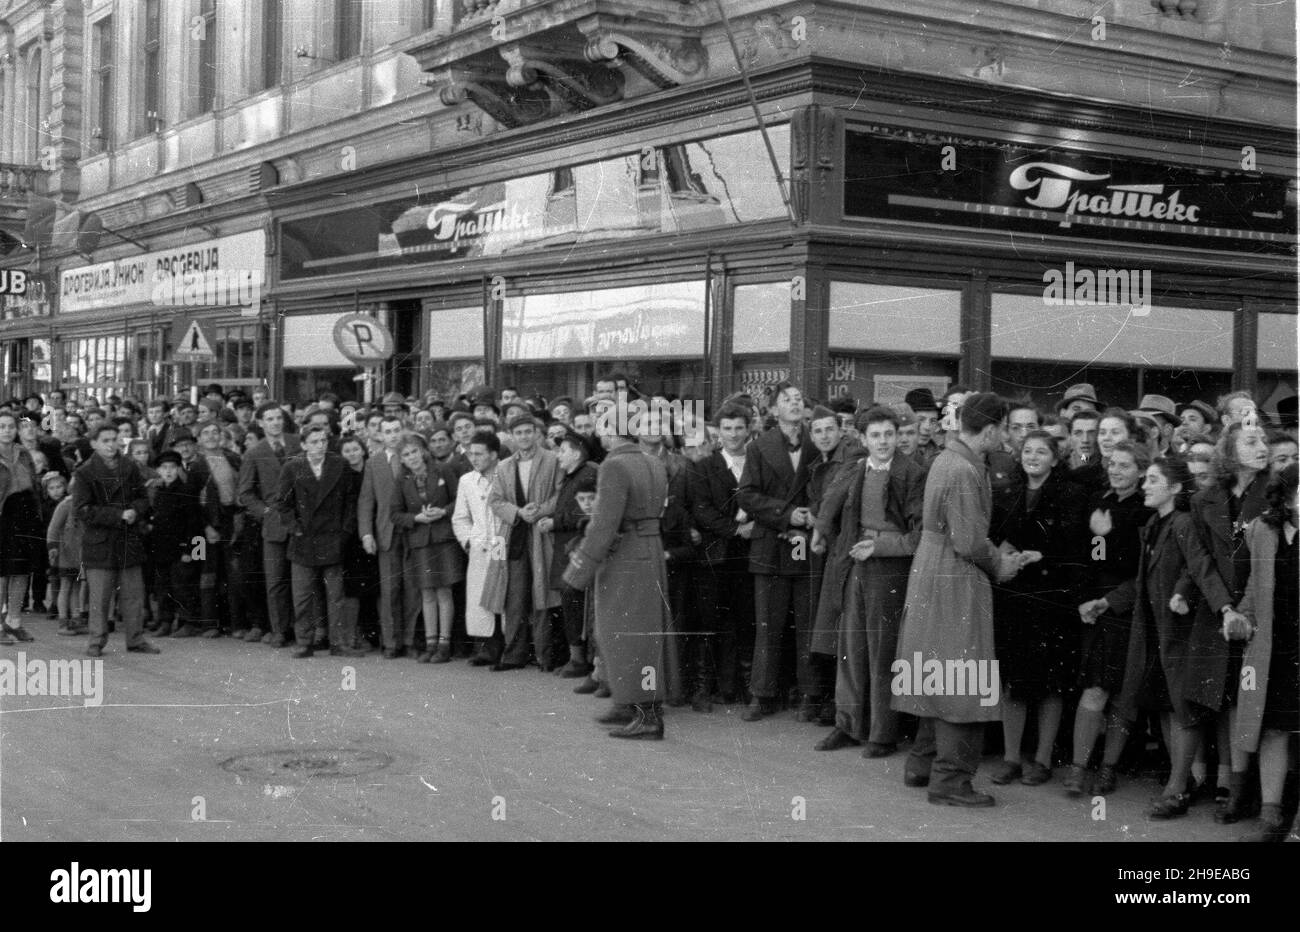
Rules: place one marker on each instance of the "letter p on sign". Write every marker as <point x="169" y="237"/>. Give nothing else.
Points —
<point x="363" y="339"/>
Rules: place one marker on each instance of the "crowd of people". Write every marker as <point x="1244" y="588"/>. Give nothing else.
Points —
<point x="1073" y="587"/>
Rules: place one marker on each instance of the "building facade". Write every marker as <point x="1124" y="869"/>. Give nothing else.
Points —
<point x="1017" y="197"/>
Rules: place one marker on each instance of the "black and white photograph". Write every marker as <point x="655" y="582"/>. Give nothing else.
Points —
<point x="649" y="421"/>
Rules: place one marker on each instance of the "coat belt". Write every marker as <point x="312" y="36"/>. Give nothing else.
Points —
<point x="642" y="527"/>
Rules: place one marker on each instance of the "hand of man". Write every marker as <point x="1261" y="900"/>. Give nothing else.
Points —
<point x="212" y="535"/>
<point x="862" y="550"/>
<point x="129" y="516"/>
<point x="1089" y="612"/>
<point x="800" y="517"/>
<point x="368" y="544"/>
<point x="818" y="543"/>
<point x="1008" y="567"/>
<point x="1178" y="604"/>
<point x="746" y="530"/>
<point x="545" y="525"/>
<point x="1236" y="626"/>
<point x="696" y="537"/>
<point x="54" y="555"/>
<point x="1100" y="523"/>
<point x="1029" y="556"/>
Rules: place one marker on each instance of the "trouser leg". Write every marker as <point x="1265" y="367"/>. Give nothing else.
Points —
<point x="771" y="606"/>
<point x="517" y="621"/>
<point x="306" y="604"/>
<point x="851" y="676"/>
<point x="130" y="604"/>
<point x="101" y="583"/>
<point x="332" y="581"/>
<point x="957" y="755"/>
<point x="920" y="760"/>
<point x="391" y="619"/>
<point x="279" y="590"/>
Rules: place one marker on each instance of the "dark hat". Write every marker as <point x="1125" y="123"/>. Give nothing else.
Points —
<point x="170" y="456"/>
<point x="520" y="420"/>
<point x="1160" y="406"/>
<point x="562" y="400"/>
<point x="921" y="399"/>
<point x="393" y="398"/>
<point x="821" y="411"/>
<point x="182" y="434"/>
<point x="1081" y="392"/>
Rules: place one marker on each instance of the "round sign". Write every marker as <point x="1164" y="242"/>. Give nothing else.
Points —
<point x="363" y="339"/>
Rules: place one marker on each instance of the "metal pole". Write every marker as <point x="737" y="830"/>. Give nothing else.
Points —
<point x="753" y="102"/>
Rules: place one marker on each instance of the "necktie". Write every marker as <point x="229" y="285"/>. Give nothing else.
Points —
<point x="279" y="450"/>
<point x="395" y="463"/>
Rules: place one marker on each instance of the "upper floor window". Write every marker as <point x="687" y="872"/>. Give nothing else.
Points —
<point x="152" y="115"/>
<point x="102" y="97"/>
<point x="35" y="109"/>
<point x="207" y="57"/>
<point x="272" y="34"/>
<point x="347" y="29"/>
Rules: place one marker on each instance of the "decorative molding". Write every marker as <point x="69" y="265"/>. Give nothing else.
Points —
<point x="667" y="56"/>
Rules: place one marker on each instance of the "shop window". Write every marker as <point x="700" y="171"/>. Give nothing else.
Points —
<point x="875" y="317"/>
<point x="760" y="318"/>
<point x="454" y="357"/>
<point x="1039" y="350"/>
<point x="1277" y="377"/>
<point x="309" y="342"/>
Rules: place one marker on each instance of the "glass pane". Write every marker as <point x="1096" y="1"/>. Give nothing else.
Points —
<point x="889" y="317"/>
<point x="761" y="318"/>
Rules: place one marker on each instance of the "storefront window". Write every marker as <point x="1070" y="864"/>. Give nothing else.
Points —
<point x="683" y="186"/>
<point x="1277" y="360"/>
<point x="98" y="364"/>
<point x="1039" y="350"/>
<point x="886" y="340"/>
<point x="455" y="349"/>
<point x="653" y="333"/>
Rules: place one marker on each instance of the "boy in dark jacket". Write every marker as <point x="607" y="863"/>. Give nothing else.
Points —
<point x="177" y="531"/>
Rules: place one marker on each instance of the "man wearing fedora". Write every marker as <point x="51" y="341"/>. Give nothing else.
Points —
<point x="1164" y="413"/>
<point x="1080" y="397"/>
<point x="926" y="411"/>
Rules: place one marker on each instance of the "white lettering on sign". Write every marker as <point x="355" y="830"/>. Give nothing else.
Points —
<point x="13" y="281"/>
<point x="456" y="220"/>
<point x="1055" y="187"/>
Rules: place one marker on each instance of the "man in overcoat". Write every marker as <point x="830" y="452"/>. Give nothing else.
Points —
<point x="399" y="602"/>
<point x="259" y="479"/>
<point x="318" y="510"/>
<point x="523" y="492"/>
<point x="112" y="504"/>
<point x="949" y="615"/>
<point x="622" y="552"/>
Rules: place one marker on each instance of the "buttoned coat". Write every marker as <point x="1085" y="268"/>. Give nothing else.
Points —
<point x="479" y="532"/>
<point x="375" y="505"/>
<point x="713" y="492"/>
<point x="770" y="490"/>
<point x="949" y="613"/>
<point x="839" y="521"/>
<point x="543" y="486"/>
<point x="1257" y="605"/>
<point x="1172" y="562"/>
<point x="318" y="515"/>
<point x="101" y="492"/>
<point x="259" y="481"/>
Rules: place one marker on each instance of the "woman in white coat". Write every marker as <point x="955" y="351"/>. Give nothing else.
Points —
<point x="479" y="532"/>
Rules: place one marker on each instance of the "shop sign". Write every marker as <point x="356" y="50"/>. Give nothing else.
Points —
<point x="13" y="281"/>
<point x="32" y="301"/>
<point x="900" y="174"/>
<point x="223" y="272"/>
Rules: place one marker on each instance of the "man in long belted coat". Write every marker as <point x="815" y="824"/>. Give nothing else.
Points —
<point x="948" y="622"/>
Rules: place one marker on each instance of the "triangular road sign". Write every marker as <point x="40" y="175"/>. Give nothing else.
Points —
<point x="194" y="345"/>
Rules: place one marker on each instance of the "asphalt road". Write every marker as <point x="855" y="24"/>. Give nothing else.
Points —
<point x="217" y="740"/>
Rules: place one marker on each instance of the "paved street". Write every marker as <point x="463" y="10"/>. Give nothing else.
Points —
<point x="452" y="747"/>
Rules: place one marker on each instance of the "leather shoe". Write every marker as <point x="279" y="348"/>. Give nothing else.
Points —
<point x="1170" y="807"/>
<point x="966" y="797"/>
<point x="480" y="660"/>
<point x="875" y="749"/>
<point x="602" y="691"/>
<point x="346" y="652"/>
<point x="392" y="653"/>
<point x="186" y="631"/>
<point x="302" y="653"/>
<point x="809" y="710"/>
<point x="253" y="635"/>
<point x="18" y="634"/>
<point x="210" y="633"/>
<point x="835" y="740"/>
<point x="646" y="725"/>
<point x="586" y="687"/>
<point x="1006" y="771"/>
<point x="501" y="666"/>
<point x="1078" y="781"/>
<point x="756" y="710"/>
<point x="443" y="654"/>
<point x="425" y="657"/>
<point x="617" y="715"/>
<point x="701" y="701"/>
<point x="144" y="647"/>
<point x="1036" y="774"/>
<point x="915" y="780"/>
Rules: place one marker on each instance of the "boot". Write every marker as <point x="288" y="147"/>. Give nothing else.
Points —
<point x="1242" y="799"/>
<point x="617" y="715"/>
<point x="577" y="665"/>
<point x="1272" y="825"/>
<point x="647" y="724"/>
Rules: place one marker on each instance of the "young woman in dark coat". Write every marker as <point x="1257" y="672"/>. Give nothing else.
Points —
<point x="575" y="453"/>
<point x="360" y="569"/>
<point x="1221" y="514"/>
<point x="1165" y="637"/>
<point x="1112" y="538"/>
<point x="1034" y="615"/>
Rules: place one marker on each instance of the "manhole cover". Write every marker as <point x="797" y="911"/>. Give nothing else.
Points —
<point x="304" y="764"/>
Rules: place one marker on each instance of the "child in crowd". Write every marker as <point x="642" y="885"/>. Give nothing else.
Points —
<point x="177" y="523"/>
<point x="63" y="546"/>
